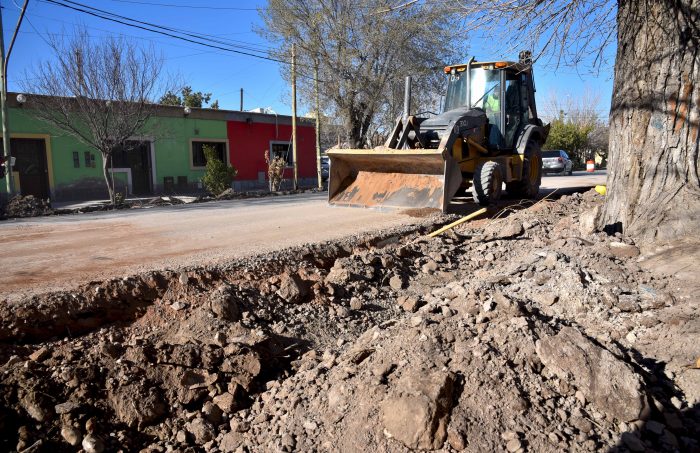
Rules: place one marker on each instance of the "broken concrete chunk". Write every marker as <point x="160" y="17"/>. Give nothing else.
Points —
<point x="418" y="411"/>
<point x="606" y="381"/>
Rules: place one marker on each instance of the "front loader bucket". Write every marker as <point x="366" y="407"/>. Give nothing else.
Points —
<point x="391" y="179"/>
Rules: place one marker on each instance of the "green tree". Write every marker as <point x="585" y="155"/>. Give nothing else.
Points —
<point x="571" y="137"/>
<point x="188" y="98"/>
<point x="217" y="175"/>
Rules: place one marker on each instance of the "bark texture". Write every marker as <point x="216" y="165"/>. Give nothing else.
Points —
<point x="653" y="185"/>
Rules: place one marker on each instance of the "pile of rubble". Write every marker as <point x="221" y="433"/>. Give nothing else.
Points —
<point x="530" y="332"/>
<point x="26" y="206"/>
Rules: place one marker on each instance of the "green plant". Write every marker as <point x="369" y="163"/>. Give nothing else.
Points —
<point x="217" y="175"/>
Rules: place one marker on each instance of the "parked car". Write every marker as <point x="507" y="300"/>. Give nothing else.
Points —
<point x="557" y="162"/>
<point x="325" y="167"/>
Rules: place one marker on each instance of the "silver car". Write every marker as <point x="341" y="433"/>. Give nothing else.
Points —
<point x="557" y="162"/>
<point x="325" y="167"/>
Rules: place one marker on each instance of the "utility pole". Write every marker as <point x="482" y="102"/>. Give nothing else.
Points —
<point x="294" y="117"/>
<point x="318" y="130"/>
<point x="241" y="99"/>
<point x="5" y="120"/>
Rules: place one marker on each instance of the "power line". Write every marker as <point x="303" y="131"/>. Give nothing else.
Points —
<point x="233" y="8"/>
<point x="166" y="31"/>
<point x="241" y="44"/>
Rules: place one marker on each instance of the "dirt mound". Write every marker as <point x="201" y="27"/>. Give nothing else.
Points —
<point x="26" y="206"/>
<point x="523" y="333"/>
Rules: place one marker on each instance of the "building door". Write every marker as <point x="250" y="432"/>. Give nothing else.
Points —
<point x="136" y="156"/>
<point x="30" y="163"/>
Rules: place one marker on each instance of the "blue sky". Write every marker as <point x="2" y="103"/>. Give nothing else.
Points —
<point x="219" y="72"/>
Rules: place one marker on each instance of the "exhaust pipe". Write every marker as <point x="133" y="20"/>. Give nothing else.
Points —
<point x="407" y="98"/>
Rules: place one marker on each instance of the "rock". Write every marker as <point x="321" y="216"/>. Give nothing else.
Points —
<point x="588" y="221"/>
<point x="40" y="354"/>
<point x="416" y="321"/>
<point x="66" y="408"/>
<point x="310" y="425"/>
<point x="622" y="250"/>
<point x="654" y="427"/>
<point x="230" y="442"/>
<point x="430" y="267"/>
<point x="627" y="303"/>
<point x="408" y="303"/>
<point x="456" y="439"/>
<point x="356" y="303"/>
<point x="338" y="275"/>
<point x="632" y="442"/>
<point x="201" y="430"/>
<point x="71" y="435"/>
<point x="183" y="278"/>
<point x="137" y="405"/>
<point x="606" y="381"/>
<point x="513" y="445"/>
<point x="93" y="444"/>
<point x="417" y="412"/>
<point x="396" y="283"/>
<point x="546" y="298"/>
<point x="181" y="436"/>
<point x="292" y="288"/>
<point x="212" y="412"/>
<point x="226" y="402"/>
<point x="511" y="229"/>
<point x="33" y="403"/>
<point x="223" y="303"/>
<point x="582" y="424"/>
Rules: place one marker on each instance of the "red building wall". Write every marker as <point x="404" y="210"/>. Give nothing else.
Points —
<point x="248" y="142"/>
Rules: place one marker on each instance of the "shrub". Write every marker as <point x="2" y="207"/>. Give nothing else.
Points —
<point x="217" y="175"/>
<point x="275" y="171"/>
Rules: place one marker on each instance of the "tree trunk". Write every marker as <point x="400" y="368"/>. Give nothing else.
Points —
<point x="108" y="176"/>
<point x="653" y="186"/>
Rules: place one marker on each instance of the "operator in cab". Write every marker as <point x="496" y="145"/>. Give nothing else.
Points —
<point x="492" y="107"/>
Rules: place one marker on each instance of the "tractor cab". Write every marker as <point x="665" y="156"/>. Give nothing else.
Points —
<point x="503" y="90"/>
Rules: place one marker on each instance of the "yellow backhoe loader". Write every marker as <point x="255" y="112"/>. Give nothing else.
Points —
<point x="487" y="134"/>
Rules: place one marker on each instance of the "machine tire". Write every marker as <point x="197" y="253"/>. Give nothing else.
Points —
<point x="487" y="183"/>
<point x="529" y="184"/>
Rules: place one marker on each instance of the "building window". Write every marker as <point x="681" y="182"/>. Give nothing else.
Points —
<point x="198" y="159"/>
<point x="76" y="159"/>
<point x="283" y="150"/>
<point x="89" y="160"/>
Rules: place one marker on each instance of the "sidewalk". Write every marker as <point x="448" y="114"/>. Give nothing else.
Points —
<point x="85" y="204"/>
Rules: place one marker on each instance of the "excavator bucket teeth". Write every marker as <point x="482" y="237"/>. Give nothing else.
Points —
<point x="390" y="179"/>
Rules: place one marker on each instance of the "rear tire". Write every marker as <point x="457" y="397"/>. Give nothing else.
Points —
<point x="529" y="184"/>
<point x="487" y="183"/>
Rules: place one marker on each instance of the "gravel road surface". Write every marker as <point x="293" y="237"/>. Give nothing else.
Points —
<point x="60" y="252"/>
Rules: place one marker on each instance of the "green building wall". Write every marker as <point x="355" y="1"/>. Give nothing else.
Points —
<point x="170" y="139"/>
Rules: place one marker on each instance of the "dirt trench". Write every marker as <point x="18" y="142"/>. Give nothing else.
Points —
<point x="522" y="333"/>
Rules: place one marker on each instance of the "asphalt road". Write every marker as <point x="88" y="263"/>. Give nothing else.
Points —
<point x="61" y="252"/>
